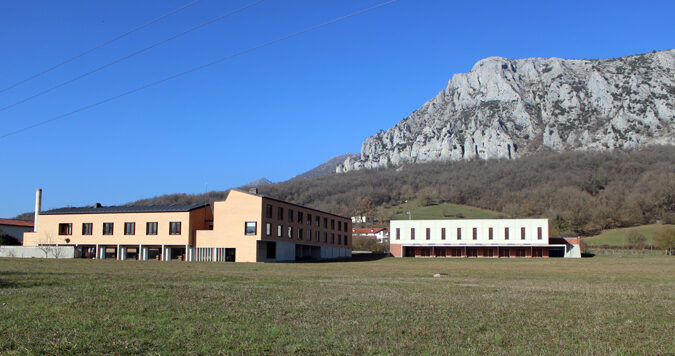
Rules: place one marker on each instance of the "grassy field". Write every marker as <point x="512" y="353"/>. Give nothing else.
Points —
<point x="436" y="211"/>
<point x="617" y="237"/>
<point x="601" y="305"/>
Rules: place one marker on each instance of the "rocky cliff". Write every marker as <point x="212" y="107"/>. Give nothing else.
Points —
<point x="507" y="108"/>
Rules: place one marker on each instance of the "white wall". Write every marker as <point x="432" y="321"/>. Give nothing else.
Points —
<point x="467" y="225"/>
<point x="37" y="252"/>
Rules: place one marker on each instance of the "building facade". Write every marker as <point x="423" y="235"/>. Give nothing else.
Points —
<point x="15" y="228"/>
<point x="492" y="238"/>
<point x="378" y="233"/>
<point x="246" y="227"/>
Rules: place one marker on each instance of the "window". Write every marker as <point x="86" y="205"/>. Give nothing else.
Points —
<point x="290" y="215"/>
<point x="398" y="233"/>
<point x="443" y="234"/>
<point x="412" y="233"/>
<point x="318" y="221"/>
<point x="174" y="228"/>
<point x="339" y="225"/>
<point x="151" y="228"/>
<point x="309" y="235"/>
<point x="521" y="252"/>
<point x="268" y="229"/>
<point x="339" y="239"/>
<point x="280" y="213"/>
<point x="300" y="217"/>
<point x="66" y="229"/>
<point x="325" y="236"/>
<point x="250" y="227"/>
<point x="475" y="233"/>
<point x="290" y="232"/>
<point x="506" y="233"/>
<point x="87" y="228"/>
<point x="488" y="252"/>
<point x="459" y="233"/>
<point x="332" y="224"/>
<point x="268" y="211"/>
<point x="539" y="234"/>
<point x="346" y="240"/>
<point x="318" y="236"/>
<point x="325" y="223"/>
<point x="428" y="233"/>
<point x="346" y="227"/>
<point x="300" y="232"/>
<point x="280" y="228"/>
<point x="490" y="233"/>
<point x="309" y="219"/>
<point x="522" y="233"/>
<point x="439" y="252"/>
<point x="107" y="228"/>
<point x="129" y="228"/>
<point x="332" y="237"/>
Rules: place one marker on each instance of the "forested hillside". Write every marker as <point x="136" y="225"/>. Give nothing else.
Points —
<point x="582" y="192"/>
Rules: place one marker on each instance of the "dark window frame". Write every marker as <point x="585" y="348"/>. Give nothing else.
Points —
<point x="175" y="227"/>
<point x="87" y="228"/>
<point x="65" y="229"/>
<point x="246" y="228"/>
<point x="151" y="228"/>
<point x="129" y="228"/>
<point x="111" y="230"/>
<point x="428" y="233"/>
<point x="412" y="233"/>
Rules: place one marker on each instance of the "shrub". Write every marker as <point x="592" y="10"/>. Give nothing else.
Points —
<point x="664" y="238"/>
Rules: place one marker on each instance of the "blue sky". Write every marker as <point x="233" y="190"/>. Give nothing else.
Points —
<point x="275" y="112"/>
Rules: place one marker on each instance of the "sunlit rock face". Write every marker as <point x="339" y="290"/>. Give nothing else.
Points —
<point x="507" y="108"/>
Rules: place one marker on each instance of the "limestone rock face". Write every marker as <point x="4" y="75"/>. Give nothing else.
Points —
<point x="507" y="108"/>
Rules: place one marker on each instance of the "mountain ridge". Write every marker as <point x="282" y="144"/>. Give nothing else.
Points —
<point x="507" y="108"/>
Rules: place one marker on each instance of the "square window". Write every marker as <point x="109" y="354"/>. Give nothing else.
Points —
<point x="151" y="228"/>
<point x="108" y="228"/>
<point x="129" y="228"/>
<point x="66" y="229"/>
<point x="251" y="228"/>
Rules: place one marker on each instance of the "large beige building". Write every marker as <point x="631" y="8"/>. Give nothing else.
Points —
<point x="246" y="227"/>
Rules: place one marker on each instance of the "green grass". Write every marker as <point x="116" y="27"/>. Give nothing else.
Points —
<point x="617" y="237"/>
<point x="437" y="211"/>
<point x="603" y="305"/>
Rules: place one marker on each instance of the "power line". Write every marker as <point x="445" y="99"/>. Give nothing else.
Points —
<point x="100" y="45"/>
<point x="121" y="59"/>
<point x="194" y="69"/>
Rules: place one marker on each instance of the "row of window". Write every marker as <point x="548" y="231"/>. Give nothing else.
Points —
<point x="473" y="252"/>
<point x="301" y="218"/>
<point x="474" y="233"/>
<point x="129" y="228"/>
<point x="250" y="228"/>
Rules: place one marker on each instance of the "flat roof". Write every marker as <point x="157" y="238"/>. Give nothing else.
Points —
<point x="173" y="208"/>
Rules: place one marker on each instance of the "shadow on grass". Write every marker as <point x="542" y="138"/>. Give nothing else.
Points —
<point x="587" y="255"/>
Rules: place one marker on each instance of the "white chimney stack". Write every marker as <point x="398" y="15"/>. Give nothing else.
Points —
<point x="38" y="207"/>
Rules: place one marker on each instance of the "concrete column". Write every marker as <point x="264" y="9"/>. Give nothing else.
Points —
<point x="187" y="253"/>
<point x="213" y="253"/>
<point x="140" y="252"/>
<point x="98" y="252"/>
<point x="163" y="253"/>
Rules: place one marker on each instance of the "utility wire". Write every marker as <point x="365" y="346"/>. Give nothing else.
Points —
<point x="100" y="46"/>
<point x="194" y="69"/>
<point x="121" y="59"/>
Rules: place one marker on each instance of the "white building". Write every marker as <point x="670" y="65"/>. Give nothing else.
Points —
<point x="478" y="238"/>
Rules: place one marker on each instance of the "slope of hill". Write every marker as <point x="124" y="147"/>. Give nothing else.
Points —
<point x="328" y="167"/>
<point x="508" y="108"/>
<point x="582" y="192"/>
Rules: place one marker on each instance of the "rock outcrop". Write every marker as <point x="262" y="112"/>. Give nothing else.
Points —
<point x="507" y="108"/>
